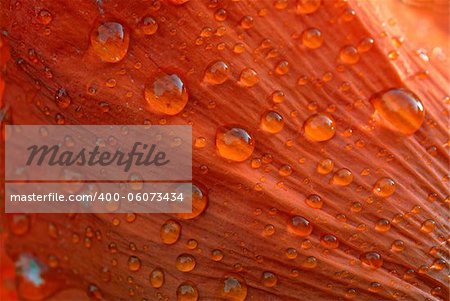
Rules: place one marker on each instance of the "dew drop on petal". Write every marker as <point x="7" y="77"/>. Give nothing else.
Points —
<point x="269" y="279"/>
<point x="325" y="166"/>
<point x="314" y="201"/>
<point x="371" y="259"/>
<point x="329" y="241"/>
<point x="185" y="263"/>
<point x="166" y="93"/>
<point x="349" y="55"/>
<point x="428" y="226"/>
<point x="187" y="291"/>
<point x="157" y="278"/>
<point x="170" y="232"/>
<point x="110" y="40"/>
<point x="248" y="77"/>
<point x="234" y="143"/>
<point x="44" y="17"/>
<point x="312" y="38"/>
<point x="148" y="25"/>
<point x="233" y="288"/>
<point x="319" y="127"/>
<point x="217" y="73"/>
<point x="300" y="226"/>
<point x="199" y="203"/>
<point x="272" y="122"/>
<point x="384" y="187"/>
<point x="134" y="263"/>
<point x="342" y="177"/>
<point x="400" y="110"/>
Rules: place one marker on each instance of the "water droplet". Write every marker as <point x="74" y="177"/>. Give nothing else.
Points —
<point x="166" y="94"/>
<point x="199" y="203"/>
<point x="185" y="263"/>
<point x="312" y="38"/>
<point x="44" y="17"/>
<point x="217" y="73"/>
<point x="300" y="226"/>
<point x="269" y="230"/>
<point x="220" y="15"/>
<point x="428" y="226"/>
<point x="383" y="225"/>
<point x="398" y="246"/>
<point x="314" y="201"/>
<point x="365" y="44"/>
<point x="157" y="278"/>
<point x="134" y="263"/>
<point x="277" y="96"/>
<point x="216" y="255"/>
<point x="110" y="40"/>
<point x="247" y="22"/>
<point x="187" y="291"/>
<point x="342" y="177"/>
<point x="384" y="187"/>
<point x="282" y="68"/>
<point x="248" y="77"/>
<point x="148" y="25"/>
<point x="62" y="99"/>
<point x="307" y="6"/>
<point x="319" y="127"/>
<point x="234" y="143"/>
<point x="170" y="232"/>
<point x="349" y="55"/>
<point x="285" y="170"/>
<point x="272" y="122"/>
<point x="325" y="166"/>
<point x="400" y="109"/>
<point x="309" y="262"/>
<point x="291" y="253"/>
<point x="234" y="288"/>
<point x="329" y="241"/>
<point x="371" y="259"/>
<point x="269" y="279"/>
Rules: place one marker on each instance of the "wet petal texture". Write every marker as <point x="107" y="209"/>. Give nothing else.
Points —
<point x="367" y="240"/>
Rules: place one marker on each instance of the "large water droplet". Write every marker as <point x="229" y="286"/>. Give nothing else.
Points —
<point x="400" y="110"/>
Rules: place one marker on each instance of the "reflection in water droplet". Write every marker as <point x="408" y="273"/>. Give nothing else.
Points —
<point x="319" y="127"/>
<point x="312" y="38"/>
<point x="272" y="122"/>
<point x="187" y="291"/>
<point x="110" y="40"/>
<point x="170" y="232"/>
<point x="234" y="143"/>
<point x="234" y="288"/>
<point x="217" y="73"/>
<point x="166" y="94"/>
<point x="157" y="278"/>
<point x="300" y="226"/>
<point x="400" y="110"/>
